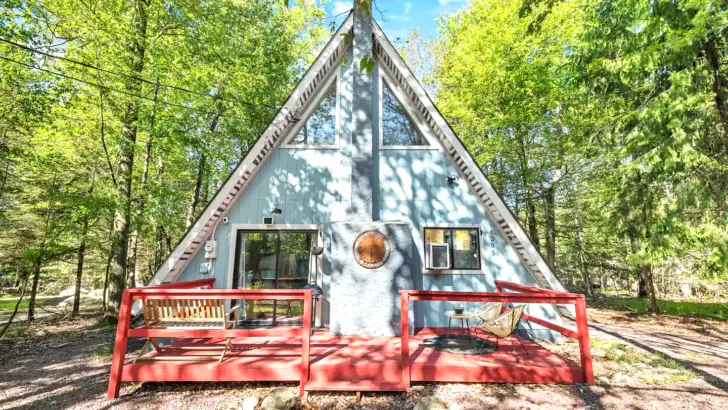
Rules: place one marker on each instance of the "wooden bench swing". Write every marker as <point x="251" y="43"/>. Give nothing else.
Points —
<point x="186" y="314"/>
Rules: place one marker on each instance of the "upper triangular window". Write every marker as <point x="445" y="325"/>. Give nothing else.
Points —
<point x="319" y="129"/>
<point x="398" y="128"/>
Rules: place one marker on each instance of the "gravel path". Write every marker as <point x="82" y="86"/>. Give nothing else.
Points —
<point x="69" y="367"/>
<point x="697" y="345"/>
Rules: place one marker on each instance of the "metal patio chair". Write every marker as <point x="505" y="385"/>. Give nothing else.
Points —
<point x="487" y="312"/>
<point x="504" y="326"/>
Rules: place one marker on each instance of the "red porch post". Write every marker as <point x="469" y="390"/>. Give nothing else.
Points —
<point x="582" y="329"/>
<point x="404" y="334"/>
<point x="120" y="342"/>
<point x="306" y="341"/>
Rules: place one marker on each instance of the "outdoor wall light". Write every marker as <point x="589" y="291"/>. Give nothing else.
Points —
<point x="452" y="180"/>
<point x="276" y="211"/>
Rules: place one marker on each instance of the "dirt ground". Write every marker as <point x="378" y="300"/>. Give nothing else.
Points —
<point x="640" y="362"/>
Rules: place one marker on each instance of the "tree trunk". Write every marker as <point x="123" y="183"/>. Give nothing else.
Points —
<point x="34" y="288"/>
<point x="712" y="53"/>
<point x="81" y="255"/>
<point x="37" y="263"/>
<point x="641" y="288"/>
<point x="133" y="274"/>
<point x="106" y="277"/>
<point x="17" y="307"/>
<point x="652" y="306"/>
<point x="158" y="250"/>
<point x="579" y="240"/>
<point x="109" y="259"/>
<point x="131" y="262"/>
<point x="713" y="56"/>
<point x="5" y="177"/>
<point x="79" y="268"/>
<point x="528" y="190"/>
<point x="531" y="218"/>
<point x="647" y="268"/>
<point x="549" y="193"/>
<point x="192" y="211"/>
<point x="549" y="212"/>
<point x="18" y="280"/>
<point x="127" y="141"/>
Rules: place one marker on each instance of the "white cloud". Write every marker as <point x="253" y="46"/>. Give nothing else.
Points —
<point x="407" y="7"/>
<point x="338" y="7"/>
<point x="397" y="17"/>
<point x="446" y="2"/>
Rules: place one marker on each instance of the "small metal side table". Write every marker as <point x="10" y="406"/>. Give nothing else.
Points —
<point x="464" y="317"/>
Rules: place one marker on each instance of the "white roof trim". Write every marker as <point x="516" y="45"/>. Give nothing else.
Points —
<point x="185" y="250"/>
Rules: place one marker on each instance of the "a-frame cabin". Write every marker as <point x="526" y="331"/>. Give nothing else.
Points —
<point x="372" y="173"/>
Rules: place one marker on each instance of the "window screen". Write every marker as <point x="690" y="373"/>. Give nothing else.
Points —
<point x="464" y="245"/>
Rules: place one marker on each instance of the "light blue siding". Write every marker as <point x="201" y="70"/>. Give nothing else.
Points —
<point x="414" y="188"/>
<point x="313" y="186"/>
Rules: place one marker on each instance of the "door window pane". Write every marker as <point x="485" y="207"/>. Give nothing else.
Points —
<point x="295" y="264"/>
<point x="273" y="260"/>
<point x="259" y="269"/>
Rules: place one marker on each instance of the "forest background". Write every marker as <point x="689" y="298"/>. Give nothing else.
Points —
<point x="603" y="124"/>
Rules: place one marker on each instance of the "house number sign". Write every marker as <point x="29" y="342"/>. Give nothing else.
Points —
<point x="371" y="249"/>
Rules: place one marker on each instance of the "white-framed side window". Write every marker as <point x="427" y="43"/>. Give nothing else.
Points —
<point x="319" y="127"/>
<point x="460" y="244"/>
<point x="400" y="127"/>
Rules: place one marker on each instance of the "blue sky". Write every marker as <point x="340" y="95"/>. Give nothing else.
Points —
<point x="403" y="15"/>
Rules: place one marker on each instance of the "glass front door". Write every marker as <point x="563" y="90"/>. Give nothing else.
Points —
<point x="273" y="260"/>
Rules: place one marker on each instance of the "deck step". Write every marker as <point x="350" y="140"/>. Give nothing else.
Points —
<point x="360" y="385"/>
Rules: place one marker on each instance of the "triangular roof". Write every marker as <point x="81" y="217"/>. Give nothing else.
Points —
<point x="306" y="89"/>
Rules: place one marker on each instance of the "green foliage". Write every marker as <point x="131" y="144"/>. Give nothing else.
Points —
<point x="222" y="67"/>
<point x="367" y="64"/>
<point x="611" y="115"/>
<point x="691" y="309"/>
<point x="9" y="304"/>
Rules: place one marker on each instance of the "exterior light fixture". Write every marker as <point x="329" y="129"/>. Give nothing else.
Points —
<point x="276" y="211"/>
<point x="452" y="180"/>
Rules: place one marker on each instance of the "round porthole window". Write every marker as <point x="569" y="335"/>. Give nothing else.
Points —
<point x="371" y="249"/>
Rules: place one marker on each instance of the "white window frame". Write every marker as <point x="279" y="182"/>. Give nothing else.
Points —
<point x="310" y="109"/>
<point x="385" y="76"/>
<point x="421" y="246"/>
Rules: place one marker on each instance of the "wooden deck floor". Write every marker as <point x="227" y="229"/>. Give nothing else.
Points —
<point x="350" y="359"/>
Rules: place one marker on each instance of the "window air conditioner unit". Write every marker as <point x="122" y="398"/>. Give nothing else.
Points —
<point x="437" y="256"/>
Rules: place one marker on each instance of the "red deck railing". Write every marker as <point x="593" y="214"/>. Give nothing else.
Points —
<point x="184" y="290"/>
<point x="525" y="295"/>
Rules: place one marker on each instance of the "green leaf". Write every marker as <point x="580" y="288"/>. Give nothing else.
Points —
<point x="367" y="64"/>
<point x="348" y="37"/>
